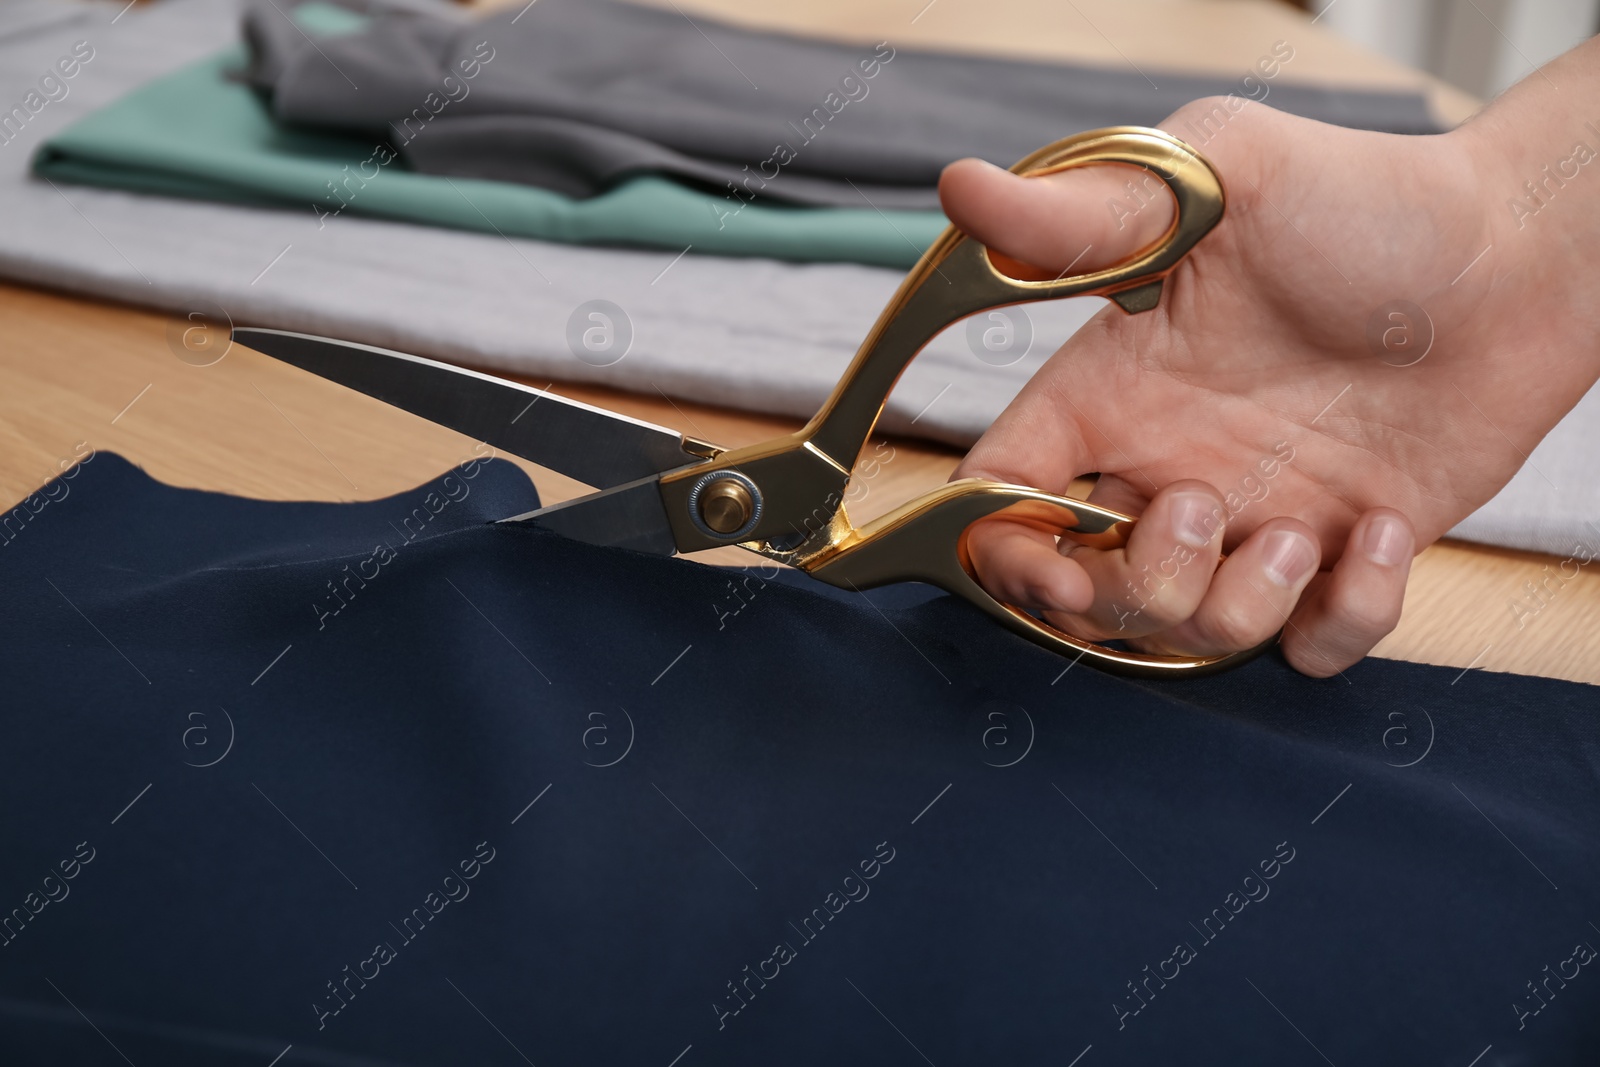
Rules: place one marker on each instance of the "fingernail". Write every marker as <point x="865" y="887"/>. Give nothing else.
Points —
<point x="1385" y="541"/>
<point x="1289" y="558"/>
<point x="1194" y="519"/>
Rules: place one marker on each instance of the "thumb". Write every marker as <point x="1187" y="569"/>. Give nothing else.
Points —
<point x="1086" y="219"/>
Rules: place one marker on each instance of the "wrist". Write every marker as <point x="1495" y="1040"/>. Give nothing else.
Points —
<point x="1535" y="153"/>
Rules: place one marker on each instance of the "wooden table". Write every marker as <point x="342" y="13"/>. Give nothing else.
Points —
<point x="74" y="370"/>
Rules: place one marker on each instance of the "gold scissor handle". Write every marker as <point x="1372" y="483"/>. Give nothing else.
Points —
<point x="801" y="478"/>
<point x="926" y="541"/>
<point x="956" y="276"/>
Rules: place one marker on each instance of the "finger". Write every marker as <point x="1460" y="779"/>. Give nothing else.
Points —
<point x="1020" y="565"/>
<point x="1160" y="576"/>
<point x="1083" y="219"/>
<point x="1360" y="601"/>
<point x="1251" y="595"/>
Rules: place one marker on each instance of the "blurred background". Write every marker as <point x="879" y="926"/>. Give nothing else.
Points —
<point x="1481" y="46"/>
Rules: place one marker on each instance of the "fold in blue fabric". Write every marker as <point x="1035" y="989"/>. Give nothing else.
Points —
<point x="383" y="783"/>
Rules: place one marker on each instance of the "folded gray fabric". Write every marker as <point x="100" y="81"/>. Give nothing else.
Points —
<point x="574" y="95"/>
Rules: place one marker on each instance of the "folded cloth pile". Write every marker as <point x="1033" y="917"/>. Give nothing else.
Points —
<point x="606" y="122"/>
<point x="380" y="784"/>
<point x="203" y="132"/>
<point x="754" y="333"/>
<point x="583" y="93"/>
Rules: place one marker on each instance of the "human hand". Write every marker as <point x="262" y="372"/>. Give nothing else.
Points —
<point x="1249" y="413"/>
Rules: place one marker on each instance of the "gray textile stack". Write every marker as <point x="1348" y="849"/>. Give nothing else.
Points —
<point x="582" y="93"/>
<point x="753" y="334"/>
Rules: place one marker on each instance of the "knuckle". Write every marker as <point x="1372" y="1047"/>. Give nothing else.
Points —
<point x="1171" y="605"/>
<point x="1035" y="591"/>
<point x="1233" y="626"/>
<point x="1172" y="584"/>
<point x="1221" y="106"/>
<point x="1309" y="660"/>
<point x="1357" y="619"/>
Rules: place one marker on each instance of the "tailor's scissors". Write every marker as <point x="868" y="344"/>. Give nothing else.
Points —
<point x="660" y="491"/>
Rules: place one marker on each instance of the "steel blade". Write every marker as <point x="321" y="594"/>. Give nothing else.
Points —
<point x="628" y="516"/>
<point x="594" y="446"/>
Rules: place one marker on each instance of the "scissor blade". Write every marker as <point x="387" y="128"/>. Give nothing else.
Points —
<point x="628" y="516"/>
<point x="594" y="446"/>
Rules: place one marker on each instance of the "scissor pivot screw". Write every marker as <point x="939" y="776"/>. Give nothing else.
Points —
<point x="725" y="504"/>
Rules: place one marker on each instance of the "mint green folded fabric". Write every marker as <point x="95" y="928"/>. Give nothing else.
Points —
<point x="200" y="134"/>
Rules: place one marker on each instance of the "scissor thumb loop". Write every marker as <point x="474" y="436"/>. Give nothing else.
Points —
<point x="1075" y="221"/>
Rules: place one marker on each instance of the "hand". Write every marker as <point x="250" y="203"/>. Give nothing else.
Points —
<point x="1249" y="413"/>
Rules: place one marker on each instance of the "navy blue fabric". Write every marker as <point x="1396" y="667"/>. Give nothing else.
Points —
<point x="831" y="830"/>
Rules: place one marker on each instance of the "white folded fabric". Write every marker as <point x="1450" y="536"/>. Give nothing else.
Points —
<point x="755" y="334"/>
